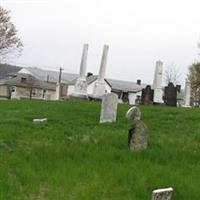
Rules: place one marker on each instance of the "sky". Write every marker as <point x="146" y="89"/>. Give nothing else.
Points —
<point x="138" y="32"/>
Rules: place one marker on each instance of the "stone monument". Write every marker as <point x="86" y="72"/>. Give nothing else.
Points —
<point x="162" y="194"/>
<point x="80" y="89"/>
<point x="187" y="93"/>
<point x="147" y="95"/>
<point x="100" y="86"/>
<point x="157" y="83"/>
<point x="109" y="108"/>
<point x="137" y="135"/>
<point x="170" y="95"/>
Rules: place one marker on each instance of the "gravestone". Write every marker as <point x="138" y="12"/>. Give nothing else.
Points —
<point x="109" y="108"/>
<point x="38" y="121"/>
<point x="170" y="97"/>
<point x="162" y="194"/>
<point x="147" y="95"/>
<point x="137" y="134"/>
<point x="187" y="96"/>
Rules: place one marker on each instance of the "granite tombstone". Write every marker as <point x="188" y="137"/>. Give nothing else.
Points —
<point x="137" y="134"/>
<point x="147" y="95"/>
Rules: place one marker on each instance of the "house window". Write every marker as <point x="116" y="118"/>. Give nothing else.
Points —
<point x="44" y="91"/>
<point x="23" y="80"/>
<point x="33" y="91"/>
<point x="13" y="89"/>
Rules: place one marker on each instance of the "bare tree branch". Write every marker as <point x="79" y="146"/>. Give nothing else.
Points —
<point x="10" y="44"/>
<point x="172" y="75"/>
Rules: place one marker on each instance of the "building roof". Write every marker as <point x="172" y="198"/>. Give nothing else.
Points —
<point x="27" y="80"/>
<point x="6" y="70"/>
<point x="125" y="86"/>
<point x="52" y="76"/>
<point x="119" y="85"/>
<point x="68" y="78"/>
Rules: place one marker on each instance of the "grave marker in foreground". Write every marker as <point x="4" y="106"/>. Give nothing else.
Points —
<point x="162" y="194"/>
<point x="137" y="134"/>
<point x="109" y="108"/>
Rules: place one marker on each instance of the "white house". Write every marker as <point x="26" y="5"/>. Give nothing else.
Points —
<point x="128" y="92"/>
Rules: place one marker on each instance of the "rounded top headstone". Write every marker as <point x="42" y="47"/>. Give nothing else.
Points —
<point x="133" y="113"/>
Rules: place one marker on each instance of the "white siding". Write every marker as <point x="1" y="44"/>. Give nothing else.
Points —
<point x="133" y="96"/>
<point x="70" y="90"/>
<point x="90" y="88"/>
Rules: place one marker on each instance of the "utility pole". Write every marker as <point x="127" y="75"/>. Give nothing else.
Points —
<point x="60" y="75"/>
<point x="58" y="87"/>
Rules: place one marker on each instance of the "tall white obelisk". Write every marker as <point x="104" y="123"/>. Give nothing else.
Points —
<point x="157" y="83"/>
<point x="100" y="86"/>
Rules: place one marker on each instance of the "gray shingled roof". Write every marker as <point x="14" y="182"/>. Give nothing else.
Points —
<point x="125" y="86"/>
<point x="6" y="70"/>
<point x="119" y="85"/>
<point x="70" y="79"/>
<point x="30" y="82"/>
<point x="53" y="75"/>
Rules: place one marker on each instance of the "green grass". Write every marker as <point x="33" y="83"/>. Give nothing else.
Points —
<point x="73" y="157"/>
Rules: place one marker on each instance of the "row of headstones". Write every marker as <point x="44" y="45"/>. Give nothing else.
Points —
<point x="170" y="95"/>
<point x="137" y="134"/>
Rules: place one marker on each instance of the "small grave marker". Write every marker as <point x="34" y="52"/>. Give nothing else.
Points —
<point x="162" y="194"/>
<point x="38" y="121"/>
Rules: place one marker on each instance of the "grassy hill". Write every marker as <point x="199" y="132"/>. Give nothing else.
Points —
<point x="73" y="157"/>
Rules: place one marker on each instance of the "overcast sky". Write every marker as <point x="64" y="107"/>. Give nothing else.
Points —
<point x="137" y="32"/>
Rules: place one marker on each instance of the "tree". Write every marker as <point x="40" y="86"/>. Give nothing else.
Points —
<point x="194" y="78"/>
<point x="10" y="44"/>
<point x="172" y="75"/>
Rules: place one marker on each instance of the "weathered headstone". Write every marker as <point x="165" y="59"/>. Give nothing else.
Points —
<point x="170" y="97"/>
<point x="162" y="194"/>
<point x="147" y="95"/>
<point x="137" y="135"/>
<point x="109" y="108"/>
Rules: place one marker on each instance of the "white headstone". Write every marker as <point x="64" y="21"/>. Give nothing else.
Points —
<point x="187" y="93"/>
<point x="162" y="194"/>
<point x="133" y="113"/>
<point x="109" y="108"/>
<point x="80" y="89"/>
<point x="100" y="87"/>
<point x="37" y="121"/>
<point x="157" y="83"/>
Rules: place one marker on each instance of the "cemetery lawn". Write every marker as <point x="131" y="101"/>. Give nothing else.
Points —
<point x="73" y="157"/>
